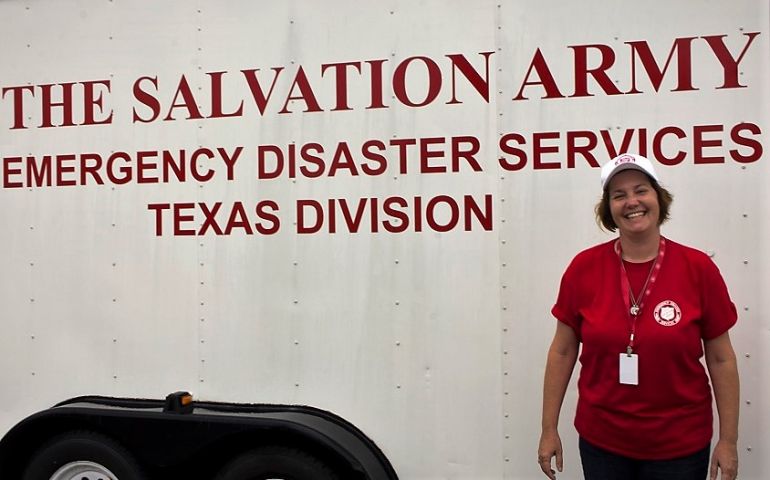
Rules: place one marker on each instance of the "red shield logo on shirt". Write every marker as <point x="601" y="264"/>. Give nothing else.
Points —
<point x="667" y="313"/>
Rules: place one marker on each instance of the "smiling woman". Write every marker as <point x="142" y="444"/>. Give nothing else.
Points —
<point x="645" y="309"/>
<point x="640" y="184"/>
<point x="634" y="204"/>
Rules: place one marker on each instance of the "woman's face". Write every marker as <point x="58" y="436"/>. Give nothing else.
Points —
<point x="633" y="202"/>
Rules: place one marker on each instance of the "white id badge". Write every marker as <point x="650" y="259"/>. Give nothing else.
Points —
<point x="629" y="369"/>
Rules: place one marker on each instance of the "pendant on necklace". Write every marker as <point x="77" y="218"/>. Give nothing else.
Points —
<point x="634" y="310"/>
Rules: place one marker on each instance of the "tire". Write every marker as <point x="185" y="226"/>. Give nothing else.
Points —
<point x="83" y="456"/>
<point x="276" y="463"/>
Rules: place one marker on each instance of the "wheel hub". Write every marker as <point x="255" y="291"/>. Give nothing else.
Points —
<point x="83" y="471"/>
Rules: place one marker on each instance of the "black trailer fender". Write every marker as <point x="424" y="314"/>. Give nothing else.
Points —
<point x="199" y="438"/>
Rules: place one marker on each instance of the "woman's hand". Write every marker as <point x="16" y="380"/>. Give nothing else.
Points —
<point x="723" y="368"/>
<point x="724" y="458"/>
<point x="558" y="370"/>
<point x="550" y="446"/>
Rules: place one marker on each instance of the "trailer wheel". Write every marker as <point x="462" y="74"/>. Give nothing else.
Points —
<point x="83" y="456"/>
<point x="276" y="463"/>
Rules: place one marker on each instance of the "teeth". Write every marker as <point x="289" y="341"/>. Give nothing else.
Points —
<point x="634" y="214"/>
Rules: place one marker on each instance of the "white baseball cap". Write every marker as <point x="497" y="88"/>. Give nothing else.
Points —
<point x="627" y="161"/>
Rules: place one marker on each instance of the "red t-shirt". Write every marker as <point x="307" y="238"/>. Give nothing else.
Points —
<point x="668" y="414"/>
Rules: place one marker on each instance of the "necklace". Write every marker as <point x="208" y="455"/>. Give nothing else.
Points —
<point x="636" y="304"/>
<point x="633" y="305"/>
<point x="634" y="310"/>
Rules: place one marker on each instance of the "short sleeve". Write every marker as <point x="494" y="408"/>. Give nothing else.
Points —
<point x="719" y="313"/>
<point x="566" y="309"/>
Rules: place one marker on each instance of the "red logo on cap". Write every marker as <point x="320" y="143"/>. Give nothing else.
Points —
<point x="667" y="313"/>
<point x="625" y="159"/>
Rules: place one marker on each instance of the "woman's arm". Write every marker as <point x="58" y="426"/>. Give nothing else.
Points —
<point x="558" y="370"/>
<point x="723" y="369"/>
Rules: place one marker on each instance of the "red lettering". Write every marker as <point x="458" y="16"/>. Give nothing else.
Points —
<point x="332" y="216"/>
<point x="643" y="142"/>
<point x="188" y="102"/>
<point x="484" y="217"/>
<point x="9" y="170"/>
<point x="260" y="99"/>
<point x="700" y="143"/>
<point x="216" y="97"/>
<point x="125" y="169"/>
<point x="431" y="213"/>
<point x="18" y="104"/>
<point x="729" y="64"/>
<point x="481" y="85"/>
<point x="146" y="99"/>
<point x="657" y="145"/>
<point x="64" y="167"/>
<point x="238" y="219"/>
<point x="302" y="228"/>
<point x="93" y="169"/>
<point x="402" y="144"/>
<point x="90" y="102"/>
<point x="210" y="221"/>
<point x="376" y="84"/>
<point x="263" y="214"/>
<point x="380" y="161"/>
<point x="426" y="154"/>
<point x="341" y="80"/>
<point x="468" y="155"/>
<point x="305" y="93"/>
<point x="544" y="75"/>
<point x="177" y="167"/>
<point x="352" y="222"/>
<point x="263" y="172"/>
<point x="683" y="49"/>
<point x="610" y="146"/>
<point x="538" y="150"/>
<point x="374" y="223"/>
<point x="573" y="148"/>
<point x="306" y="152"/>
<point x="194" y="166"/>
<point x="158" y="208"/>
<point x="418" y="214"/>
<point x="36" y="176"/>
<point x="434" y="81"/>
<point x="230" y="160"/>
<point x="755" y="146"/>
<point x="143" y="165"/>
<point x="48" y="104"/>
<point x="401" y="217"/>
<point x="599" y="73"/>
<point x="343" y="159"/>
<point x="506" y="147"/>
<point x="180" y="218"/>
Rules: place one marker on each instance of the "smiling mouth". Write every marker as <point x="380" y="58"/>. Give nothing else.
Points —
<point x="633" y="215"/>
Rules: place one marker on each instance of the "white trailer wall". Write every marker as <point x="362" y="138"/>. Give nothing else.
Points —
<point x="433" y="343"/>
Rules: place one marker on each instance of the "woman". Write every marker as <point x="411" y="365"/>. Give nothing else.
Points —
<point x="645" y="309"/>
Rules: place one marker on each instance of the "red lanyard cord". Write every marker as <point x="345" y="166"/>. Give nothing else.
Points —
<point x="632" y="307"/>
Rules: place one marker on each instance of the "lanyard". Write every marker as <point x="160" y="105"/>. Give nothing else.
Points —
<point x="625" y="287"/>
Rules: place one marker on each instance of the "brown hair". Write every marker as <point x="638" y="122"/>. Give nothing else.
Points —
<point x="604" y="216"/>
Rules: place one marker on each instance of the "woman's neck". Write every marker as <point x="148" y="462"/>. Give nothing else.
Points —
<point x="641" y="247"/>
